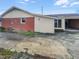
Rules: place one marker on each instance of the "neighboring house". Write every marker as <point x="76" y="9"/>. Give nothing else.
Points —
<point x="21" y="20"/>
<point x="66" y="21"/>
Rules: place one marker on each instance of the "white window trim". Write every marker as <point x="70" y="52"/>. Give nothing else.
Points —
<point x="58" y="23"/>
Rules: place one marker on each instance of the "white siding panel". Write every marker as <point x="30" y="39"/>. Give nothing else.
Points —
<point x="63" y="23"/>
<point x="16" y="13"/>
<point x="44" y="25"/>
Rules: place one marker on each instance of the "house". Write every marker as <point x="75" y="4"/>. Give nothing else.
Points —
<point x="66" y="21"/>
<point x="21" y="20"/>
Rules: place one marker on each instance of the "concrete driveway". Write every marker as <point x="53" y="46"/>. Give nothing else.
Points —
<point x="70" y="41"/>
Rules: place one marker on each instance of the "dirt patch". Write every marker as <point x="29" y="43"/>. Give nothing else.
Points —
<point x="44" y="47"/>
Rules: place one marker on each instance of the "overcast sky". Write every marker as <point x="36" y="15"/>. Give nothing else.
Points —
<point x="49" y="6"/>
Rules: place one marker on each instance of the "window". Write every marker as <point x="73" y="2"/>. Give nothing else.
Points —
<point x="23" y="21"/>
<point x="57" y="23"/>
<point x="0" y="19"/>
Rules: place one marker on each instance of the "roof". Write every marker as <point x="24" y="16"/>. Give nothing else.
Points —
<point x="12" y="8"/>
<point x="56" y="15"/>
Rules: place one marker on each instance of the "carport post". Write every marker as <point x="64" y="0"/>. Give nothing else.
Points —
<point x="63" y="23"/>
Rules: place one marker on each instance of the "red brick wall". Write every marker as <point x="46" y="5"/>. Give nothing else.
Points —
<point x="15" y="23"/>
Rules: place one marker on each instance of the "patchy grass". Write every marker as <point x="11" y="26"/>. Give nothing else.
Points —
<point x="27" y="33"/>
<point x="7" y="53"/>
<point x="32" y="34"/>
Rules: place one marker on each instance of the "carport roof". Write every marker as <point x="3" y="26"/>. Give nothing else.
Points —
<point x="66" y="16"/>
<point x="72" y="14"/>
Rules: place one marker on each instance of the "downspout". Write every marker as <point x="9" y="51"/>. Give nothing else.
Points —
<point x="0" y="21"/>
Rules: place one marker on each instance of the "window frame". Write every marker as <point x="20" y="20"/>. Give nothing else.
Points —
<point x="21" y="21"/>
<point x="58" y="23"/>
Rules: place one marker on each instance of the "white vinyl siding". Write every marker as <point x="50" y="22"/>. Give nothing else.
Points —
<point x="44" y="25"/>
<point x="16" y="13"/>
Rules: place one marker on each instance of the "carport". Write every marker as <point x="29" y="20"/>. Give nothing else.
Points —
<point x="72" y="22"/>
<point x="66" y="21"/>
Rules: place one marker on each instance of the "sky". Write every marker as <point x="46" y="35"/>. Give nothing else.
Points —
<point x="48" y="6"/>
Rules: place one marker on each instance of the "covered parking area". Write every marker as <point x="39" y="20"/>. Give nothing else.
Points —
<point x="66" y="21"/>
<point x="72" y="22"/>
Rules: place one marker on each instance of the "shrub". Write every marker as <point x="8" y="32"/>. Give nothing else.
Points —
<point x="2" y="29"/>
